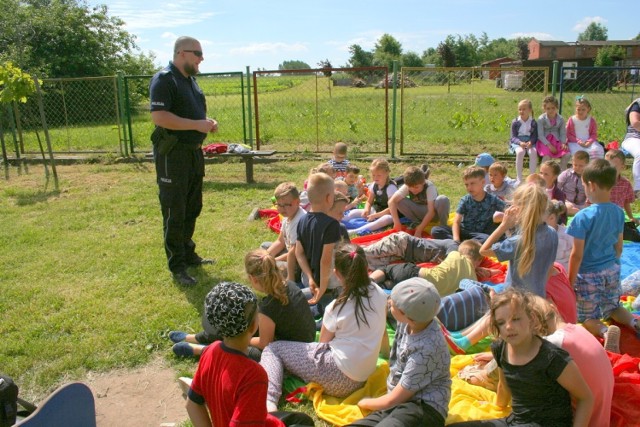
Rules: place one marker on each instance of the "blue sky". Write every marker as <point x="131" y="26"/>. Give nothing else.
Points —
<point x="236" y="34"/>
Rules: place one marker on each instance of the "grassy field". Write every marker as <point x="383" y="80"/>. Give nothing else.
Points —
<point x="85" y="287"/>
<point x="304" y="114"/>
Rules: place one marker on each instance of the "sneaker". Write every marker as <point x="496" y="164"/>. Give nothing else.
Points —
<point x="184" y="278"/>
<point x="183" y="349"/>
<point x="254" y="215"/>
<point x="612" y="339"/>
<point x="185" y="385"/>
<point x="177" y="336"/>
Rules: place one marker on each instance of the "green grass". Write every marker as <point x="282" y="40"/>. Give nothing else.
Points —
<point x="302" y="114"/>
<point x="85" y="286"/>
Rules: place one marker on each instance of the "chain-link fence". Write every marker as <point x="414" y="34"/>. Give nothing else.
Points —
<point x="81" y="115"/>
<point x="464" y="110"/>
<point x="226" y="95"/>
<point x="309" y="110"/>
<point x="609" y="91"/>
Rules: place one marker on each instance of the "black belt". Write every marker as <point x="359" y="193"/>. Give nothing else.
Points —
<point x="188" y="146"/>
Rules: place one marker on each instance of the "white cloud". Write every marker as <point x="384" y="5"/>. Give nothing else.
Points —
<point x="168" y="35"/>
<point x="159" y="15"/>
<point x="584" y="23"/>
<point x="539" y="36"/>
<point x="277" y="47"/>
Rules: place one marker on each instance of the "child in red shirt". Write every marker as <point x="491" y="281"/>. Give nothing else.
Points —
<point x="231" y="385"/>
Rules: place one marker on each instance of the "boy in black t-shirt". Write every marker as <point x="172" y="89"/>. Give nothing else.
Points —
<point x="317" y="235"/>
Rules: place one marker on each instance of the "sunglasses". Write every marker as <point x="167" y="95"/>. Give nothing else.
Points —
<point x="197" y="53"/>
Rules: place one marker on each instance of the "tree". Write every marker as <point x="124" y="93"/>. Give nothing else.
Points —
<point x="293" y="65"/>
<point x="326" y="65"/>
<point x="67" y="38"/>
<point x="387" y="49"/>
<point x="411" y="59"/>
<point x="430" y="56"/>
<point x="594" y="32"/>
<point x="522" y="49"/>
<point x="637" y="37"/>
<point x="447" y="56"/>
<point x="607" y="55"/>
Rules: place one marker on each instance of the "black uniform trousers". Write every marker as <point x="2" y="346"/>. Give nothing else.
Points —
<point x="180" y="174"/>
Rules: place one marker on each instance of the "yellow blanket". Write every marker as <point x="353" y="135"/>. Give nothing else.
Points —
<point x="468" y="402"/>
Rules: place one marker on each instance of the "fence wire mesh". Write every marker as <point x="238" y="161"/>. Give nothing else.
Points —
<point x="463" y="110"/>
<point x="310" y="110"/>
<point x="609" y="90"/>
<point x="81" y="115"/>
<point x="226" y="102"/>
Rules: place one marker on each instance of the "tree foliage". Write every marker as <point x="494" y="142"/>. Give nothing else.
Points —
<point x="387" y="49"/>
<point x="326" y="65"/>
<point x="594" y="32"/>
<point x="68" y="38"/>
<point x="411" y="59"/>
<point x="607" y="55"/>
<point x="447" y="55"/>
<point x="15" y="84"/>
<point x="522" y="46"/>
<point x="293" y="65"/>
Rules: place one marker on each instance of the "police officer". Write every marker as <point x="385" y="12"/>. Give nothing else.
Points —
<point x="178" y="109"/>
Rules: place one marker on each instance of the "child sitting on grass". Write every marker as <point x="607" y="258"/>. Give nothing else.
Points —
<point x="476" y="213"/>
<point x="419" y="384"/>
<point x="446" y="276"/>
<point x="622" y="191"/>
<point x="376" y="210"/>
<point x="570" y="183"/>
<point x="501" y="185"/>
<point x="339" y="160"/>
<point x="232" y="386"/>
<point x="418" y="200"/>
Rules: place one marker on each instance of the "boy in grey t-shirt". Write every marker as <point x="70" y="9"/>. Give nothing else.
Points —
<point x="419" y="385"/>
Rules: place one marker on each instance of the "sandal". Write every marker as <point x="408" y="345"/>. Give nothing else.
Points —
<point x="479" y="376"/>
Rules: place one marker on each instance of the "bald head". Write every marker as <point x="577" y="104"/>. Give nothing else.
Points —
<point x="185" y="42"/>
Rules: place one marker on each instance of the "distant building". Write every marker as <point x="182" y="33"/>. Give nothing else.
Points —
<point x="494" y="74"/>
<point x="549" y="50"/>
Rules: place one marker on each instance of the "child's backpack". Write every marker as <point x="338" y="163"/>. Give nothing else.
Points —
<point x="8" y="401"/>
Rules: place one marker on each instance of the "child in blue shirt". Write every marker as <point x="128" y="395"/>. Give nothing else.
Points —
<point x="594" y="264"/>
<point x="476" y="213"/>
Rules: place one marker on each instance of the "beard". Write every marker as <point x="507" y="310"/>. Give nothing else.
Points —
<point x="190" y="69"/>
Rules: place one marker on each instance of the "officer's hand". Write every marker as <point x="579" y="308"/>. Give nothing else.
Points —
<point x="214" y="128"/>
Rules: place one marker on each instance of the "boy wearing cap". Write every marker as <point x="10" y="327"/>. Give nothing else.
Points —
<point x="485" y="160"/>
<point x="418" y="200"/>
<point x="419" y="384"/>
<point x="233" y="387"/>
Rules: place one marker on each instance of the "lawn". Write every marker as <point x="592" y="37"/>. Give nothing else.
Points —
<point x="85" y="287"/>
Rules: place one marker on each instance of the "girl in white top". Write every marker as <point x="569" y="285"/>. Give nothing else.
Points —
<point x="350" y="340"/>
<point x="582" y="131"/>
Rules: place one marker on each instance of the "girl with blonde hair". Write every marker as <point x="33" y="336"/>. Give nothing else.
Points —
<point x="532" y="249"/>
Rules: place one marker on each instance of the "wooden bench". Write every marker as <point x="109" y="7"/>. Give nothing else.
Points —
<point x="248" y="159"/>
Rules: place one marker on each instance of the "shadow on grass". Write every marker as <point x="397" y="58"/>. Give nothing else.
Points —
<point x="28" y="198"/>
<point x="207" y="278"/>
<point x="223" y="186"/>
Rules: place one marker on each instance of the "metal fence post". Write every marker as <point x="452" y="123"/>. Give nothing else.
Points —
<point x="554" y="78"/>
<point x="121" y="114"/>
<point x="249" y="110"/>
<point x="394" y="109"/>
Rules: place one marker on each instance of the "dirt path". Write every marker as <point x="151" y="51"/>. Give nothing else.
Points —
<point x="146" y="396"/>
